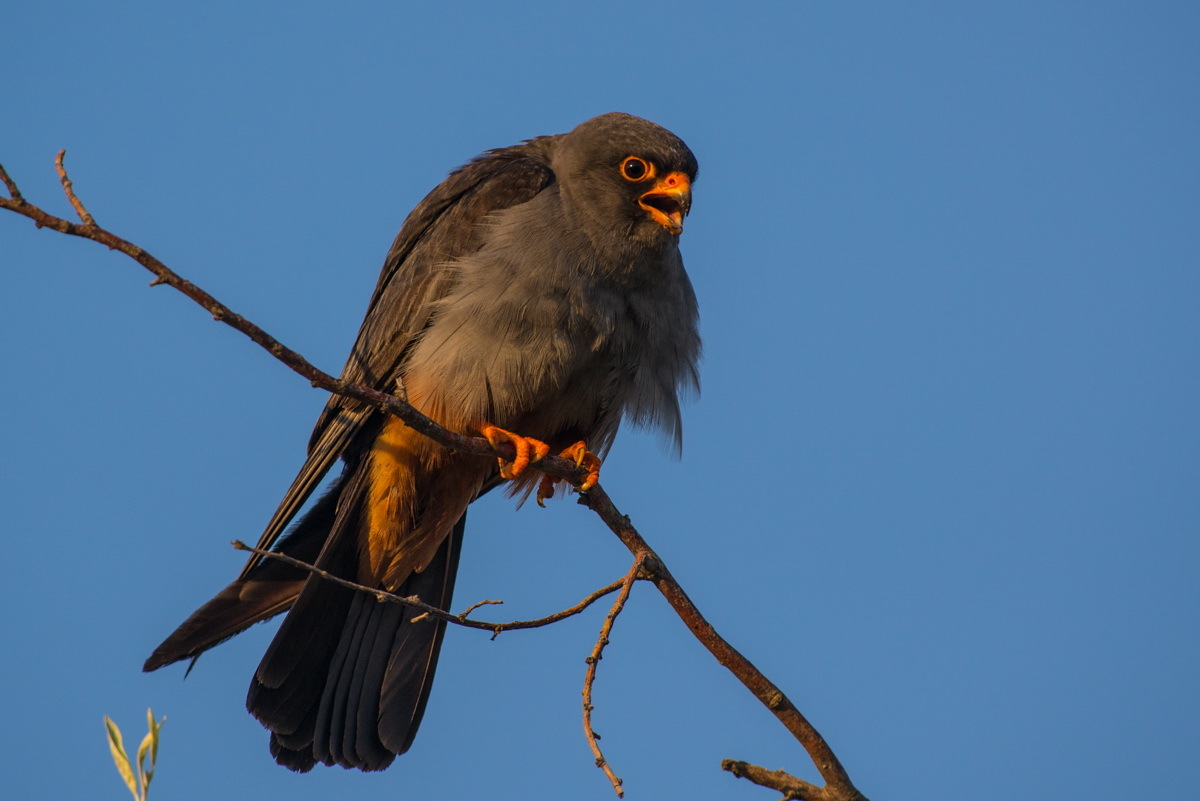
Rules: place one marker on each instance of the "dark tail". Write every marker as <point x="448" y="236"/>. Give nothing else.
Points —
<point x="346" y="679"/>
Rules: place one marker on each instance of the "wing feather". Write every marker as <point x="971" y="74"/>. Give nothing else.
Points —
<point x="443" y="227"/>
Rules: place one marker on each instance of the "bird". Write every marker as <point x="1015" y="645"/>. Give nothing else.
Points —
<point x="536" y="296"/>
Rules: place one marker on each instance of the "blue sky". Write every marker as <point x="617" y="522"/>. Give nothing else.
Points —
<point x="941" y="484"/>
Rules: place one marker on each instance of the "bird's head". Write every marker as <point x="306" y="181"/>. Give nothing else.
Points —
<point x="626" y="178"/>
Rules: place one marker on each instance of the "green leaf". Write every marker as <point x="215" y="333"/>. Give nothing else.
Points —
<point x="146" y="772"/>
<point x="117" y="747"/>
<point x="144" y="775"/>
<point x="154" y="728"/>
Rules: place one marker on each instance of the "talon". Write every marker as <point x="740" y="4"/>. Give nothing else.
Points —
<point x="545" y="489"/>
<point x="528" y="449"/>
<point x="582" y="457"/>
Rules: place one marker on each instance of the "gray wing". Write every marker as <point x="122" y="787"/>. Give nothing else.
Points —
<point x="443" y="227"/>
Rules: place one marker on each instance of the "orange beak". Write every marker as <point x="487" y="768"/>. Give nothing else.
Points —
<point x="669" y="201"/>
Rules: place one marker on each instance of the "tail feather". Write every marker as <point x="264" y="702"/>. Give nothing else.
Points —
<point x="347" y="678"/>
<point x="346" y="730"/>
<point x="299" y="759"/>
<point x="337" y="703"/>
<point x="292" y="675"/>
<point x="381" y="673"/>
<point x="415" y="647"/>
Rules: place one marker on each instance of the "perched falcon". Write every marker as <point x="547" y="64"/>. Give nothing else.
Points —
<point x="536" y="296"/>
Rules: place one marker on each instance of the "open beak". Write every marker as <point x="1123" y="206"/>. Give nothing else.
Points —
<point x="668" y="201"/>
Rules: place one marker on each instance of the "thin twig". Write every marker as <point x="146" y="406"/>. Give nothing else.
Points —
<point x="463" y="614"/>
<point x="13" y="192"/>
<point x="590" y="677"/>
<point x="68" y="187"/>
<point x="413" y="601"/>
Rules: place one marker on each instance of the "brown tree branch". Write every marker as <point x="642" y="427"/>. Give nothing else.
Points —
<point x="838" y="786"/>
<point x="784" y="782"/>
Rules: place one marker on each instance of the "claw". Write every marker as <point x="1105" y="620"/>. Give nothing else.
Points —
<point x="582" y="457"/>
<point x="545" y="489"/>
<point x="528" y="449"/>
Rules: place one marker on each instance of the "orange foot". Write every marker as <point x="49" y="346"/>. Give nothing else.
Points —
<point x="582" y="457"/>
<point x="529" y="450"/>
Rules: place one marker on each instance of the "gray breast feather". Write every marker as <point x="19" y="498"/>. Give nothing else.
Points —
<point x="546" y="337"/>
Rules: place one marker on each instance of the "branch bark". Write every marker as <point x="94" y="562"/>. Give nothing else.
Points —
<point x="647" y="563"/>
<point x="784" y="782"/>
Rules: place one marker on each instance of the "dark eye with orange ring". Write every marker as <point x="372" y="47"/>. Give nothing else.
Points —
<point x="636" y="169"/>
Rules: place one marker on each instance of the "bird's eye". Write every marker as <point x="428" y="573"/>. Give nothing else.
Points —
<point x="636" y="169"/>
